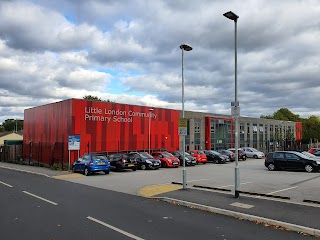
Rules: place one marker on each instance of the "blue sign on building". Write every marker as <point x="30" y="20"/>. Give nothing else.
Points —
<point x="74" y="142"/>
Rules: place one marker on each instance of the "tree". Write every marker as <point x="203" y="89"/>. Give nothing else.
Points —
<point x="283" y="114"/>
<point x="12" y="125"/>
<point x="92" y="98"/>
<point x="95" y="98"/>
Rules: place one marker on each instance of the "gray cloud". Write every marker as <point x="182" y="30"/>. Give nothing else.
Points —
<point x="128" y="51"/>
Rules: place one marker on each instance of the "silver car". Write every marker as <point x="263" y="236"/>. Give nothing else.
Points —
<point x="252" y="152"/>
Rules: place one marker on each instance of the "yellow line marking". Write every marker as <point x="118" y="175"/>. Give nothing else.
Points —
<point x="67" y="176"/>
<point x="153" y="190"/>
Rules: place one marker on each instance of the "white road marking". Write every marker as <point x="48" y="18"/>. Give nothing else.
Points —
<point x="282" y="190"/>
<point x="201" y="179"/>
<point x="43" y="199"/>
<point x="241" y="205"/>
<point x="115" y="229"/>
<point x="233" y="185"/>
<point x="6" y="184"/>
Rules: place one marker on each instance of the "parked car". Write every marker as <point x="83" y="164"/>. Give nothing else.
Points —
<point x="230" y="154"/>
<point x="90" y="163"/>
<point x="189" y="160"/>
<point x="146" y="161"/>
<point x="241" y="154"/>
<point x="291" y="160"/>
<point x="121" y="161"/>
<point x="252" y="152"/>
<point x="199" y="155"/>
<point x="215" y="157"/>
<point x="312" y="150"/>
<point x="167" y="159"/>
<point x="316" y="153"/>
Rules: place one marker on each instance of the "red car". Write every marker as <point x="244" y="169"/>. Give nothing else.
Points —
<point x="312" y="150"/>
<point x="200" y="156"/>
<point x="167" y="159"/>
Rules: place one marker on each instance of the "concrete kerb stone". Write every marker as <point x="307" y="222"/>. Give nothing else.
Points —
<point x="244" y="216"/>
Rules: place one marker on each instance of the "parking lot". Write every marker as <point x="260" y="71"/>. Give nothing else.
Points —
<point x="254" y="177"/>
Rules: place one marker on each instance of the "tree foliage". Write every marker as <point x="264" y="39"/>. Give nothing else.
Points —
<point x="92" y="98"/>
<point x="12" y="125"/>
<point x="95" y="98"/>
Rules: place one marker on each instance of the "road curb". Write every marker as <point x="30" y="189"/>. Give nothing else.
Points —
<point x="244" y="216"/>
<point x="26" y="171"/>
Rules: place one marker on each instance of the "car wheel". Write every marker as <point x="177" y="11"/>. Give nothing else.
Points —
<point x="73" y="169"/>
<point x="215" y="161"/>
<point x="164" y="164"/>
<point x="134" y="169"/>
<point x="86" y="171"/>
<point x="143" y="167"/>
<point x="107" y="172"/>
<point x="271" y="167"/>
<point x="255" y="156"/>
<point x="308" y="168"/>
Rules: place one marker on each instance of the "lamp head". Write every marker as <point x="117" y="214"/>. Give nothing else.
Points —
<point x="231" y="16"/>
<point x="185" y="47"/>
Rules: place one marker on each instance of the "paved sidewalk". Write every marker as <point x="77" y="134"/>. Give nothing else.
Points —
<point x="292" y="216"/>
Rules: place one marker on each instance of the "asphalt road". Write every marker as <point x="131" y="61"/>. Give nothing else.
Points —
<point x="36" y="207"/>
<point x="254" y="177"/>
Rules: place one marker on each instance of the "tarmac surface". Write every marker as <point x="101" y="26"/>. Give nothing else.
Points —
<point x="279" y="213"/>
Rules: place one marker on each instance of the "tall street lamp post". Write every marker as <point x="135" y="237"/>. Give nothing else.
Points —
<point x="236" y="108"/>
<point x="183" y="48"/>
<point x="149" y="134"/>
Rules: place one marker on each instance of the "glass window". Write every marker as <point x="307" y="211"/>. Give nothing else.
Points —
<point x="278" y="155"/>
<point x="197" y="124"/>
<point x="291" y="156"/>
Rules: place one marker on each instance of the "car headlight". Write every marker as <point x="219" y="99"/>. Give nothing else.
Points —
<point x="318" y="162"/>
<point x="148" y="161"/>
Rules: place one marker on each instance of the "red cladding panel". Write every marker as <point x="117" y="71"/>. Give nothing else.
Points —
<point x="298" y="131"/>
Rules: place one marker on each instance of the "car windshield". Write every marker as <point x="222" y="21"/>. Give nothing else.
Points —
<point x="215" y="152"/>
<point x="99" y="157"/>
<point x="201" y="152"/>
<point x="167" y="154"/>
<point x="186" y="154"/>
<point x="145" y="155"/>
<point x="301" y="155"/>
<point x="309" y="154"/>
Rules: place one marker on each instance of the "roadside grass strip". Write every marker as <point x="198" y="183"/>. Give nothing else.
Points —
<point x="68" y="176"/>
<point x="153" y="190"/>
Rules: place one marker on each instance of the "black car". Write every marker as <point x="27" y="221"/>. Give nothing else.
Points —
<point x="189" y="160"/>
<point x="215" y="157"/>
<point x="121" y="161"/>
<point x="231" y="155"/>
<point x="291" y="160"/>
<point x="146" y="161"/>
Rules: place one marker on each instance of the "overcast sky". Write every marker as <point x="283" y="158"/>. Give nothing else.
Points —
<point x="128" y="51"/>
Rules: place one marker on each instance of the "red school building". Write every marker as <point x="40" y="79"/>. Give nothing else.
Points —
<point x="101" y="127"/>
